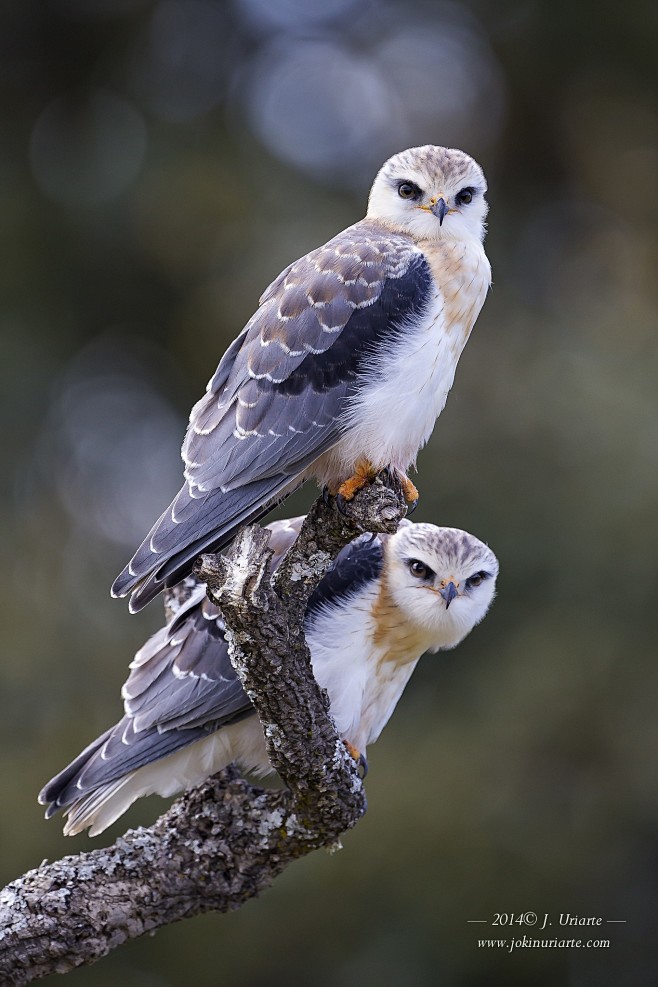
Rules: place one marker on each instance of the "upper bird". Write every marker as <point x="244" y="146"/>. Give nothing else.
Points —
<point x="384" y="602"/>
<point x="343" y="369"/>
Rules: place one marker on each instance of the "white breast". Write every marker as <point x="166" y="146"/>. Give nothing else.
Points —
<point x="363" y="687"/>
<point x="400" y="397"/>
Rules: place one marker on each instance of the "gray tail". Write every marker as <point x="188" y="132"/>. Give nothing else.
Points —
<point x="61" y="790"/>
<point x="190" y="527"/>
<point x="111" y="757"/>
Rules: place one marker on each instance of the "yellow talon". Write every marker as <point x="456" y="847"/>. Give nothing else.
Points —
<point x="364" y="473"/>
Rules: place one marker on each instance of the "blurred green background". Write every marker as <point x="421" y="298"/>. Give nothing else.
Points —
<point x="160" y="162"/>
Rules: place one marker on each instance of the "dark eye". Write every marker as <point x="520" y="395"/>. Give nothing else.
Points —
<point x="477" y="578"/>
<point x="407" y="190"/>
<point x="464" y="197"/>
<point x="419" y="569"/>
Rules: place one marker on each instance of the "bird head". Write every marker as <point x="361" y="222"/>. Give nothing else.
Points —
<point x="431" y="193"/>
<point x="443" y="581"/>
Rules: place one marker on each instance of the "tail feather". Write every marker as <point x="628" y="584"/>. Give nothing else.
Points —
<point x="174" y="761"/>
<point x="60" y="790"/>
<point x="120" y="750"/>
<point x="170" y="549"/>
<point x="100" y="808"/>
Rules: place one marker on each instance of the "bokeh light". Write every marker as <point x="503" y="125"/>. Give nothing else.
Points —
<point x="181" y="64"/>
<point x="110" y="443"/>
<point x="299" y="16"/>
<point x="335" y="105"/>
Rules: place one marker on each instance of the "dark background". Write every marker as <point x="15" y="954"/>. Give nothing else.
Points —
<point x="159" y="164"/>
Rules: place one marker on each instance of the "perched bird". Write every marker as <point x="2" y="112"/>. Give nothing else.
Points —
<point x="343" y="369"/>
<point x="386" y="600"/>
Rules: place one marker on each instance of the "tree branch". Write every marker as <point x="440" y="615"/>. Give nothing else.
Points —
<point x="227" y="840"/>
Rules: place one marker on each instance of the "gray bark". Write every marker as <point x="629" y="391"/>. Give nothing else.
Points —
<point x="226" y="841"/>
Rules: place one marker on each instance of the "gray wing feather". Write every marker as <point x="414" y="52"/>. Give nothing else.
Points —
<point x="181" y="687"/>
<point x="183" y="677"/>
<point x="277" y="401"/>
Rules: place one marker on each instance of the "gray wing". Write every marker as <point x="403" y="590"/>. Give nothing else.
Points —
<point x="182" y="687"/>
<point x="183" y="677"/>
<point x="276" y="401"/>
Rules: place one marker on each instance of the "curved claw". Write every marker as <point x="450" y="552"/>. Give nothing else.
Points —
<point x="398" y="480"/>
<point x="357" y="756"/>
<point x="340" y="502"/>
<point x="389" y="477"/>
<point x="326" y="495"/>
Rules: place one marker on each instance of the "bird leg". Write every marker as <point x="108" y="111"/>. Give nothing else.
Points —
<point x="364" y="472"/>
<point x="409" y="489"/>
<point x="357" y="756"/>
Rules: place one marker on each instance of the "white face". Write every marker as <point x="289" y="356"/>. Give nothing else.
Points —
<point x="442" y="579"/>
<point x="432" y="193"/>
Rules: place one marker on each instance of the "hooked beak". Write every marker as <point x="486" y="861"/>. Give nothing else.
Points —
<point x="449" y="592"/>
<point x="439" y="209"/>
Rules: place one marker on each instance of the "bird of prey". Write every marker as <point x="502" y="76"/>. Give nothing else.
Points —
<point x="343" y="369"/>
<point x="386" y="600"/>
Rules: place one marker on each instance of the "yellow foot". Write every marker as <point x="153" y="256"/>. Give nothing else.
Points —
<point x="409" y="489"/>
<point x="363" y="473"/>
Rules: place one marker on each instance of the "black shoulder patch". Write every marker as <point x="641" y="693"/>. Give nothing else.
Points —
<point x="357" y="564"/>
<point x="401" y="299"/>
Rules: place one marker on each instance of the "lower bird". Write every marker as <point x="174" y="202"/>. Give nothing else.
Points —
<point x="385" y="601"/>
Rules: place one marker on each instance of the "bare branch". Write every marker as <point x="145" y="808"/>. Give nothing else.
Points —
<point x="227" y="840"/>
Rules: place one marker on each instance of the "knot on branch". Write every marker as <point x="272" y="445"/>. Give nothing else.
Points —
<point x="239" y="578"/>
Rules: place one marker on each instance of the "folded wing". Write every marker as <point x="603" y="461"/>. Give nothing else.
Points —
<point x="277" y="400"/>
